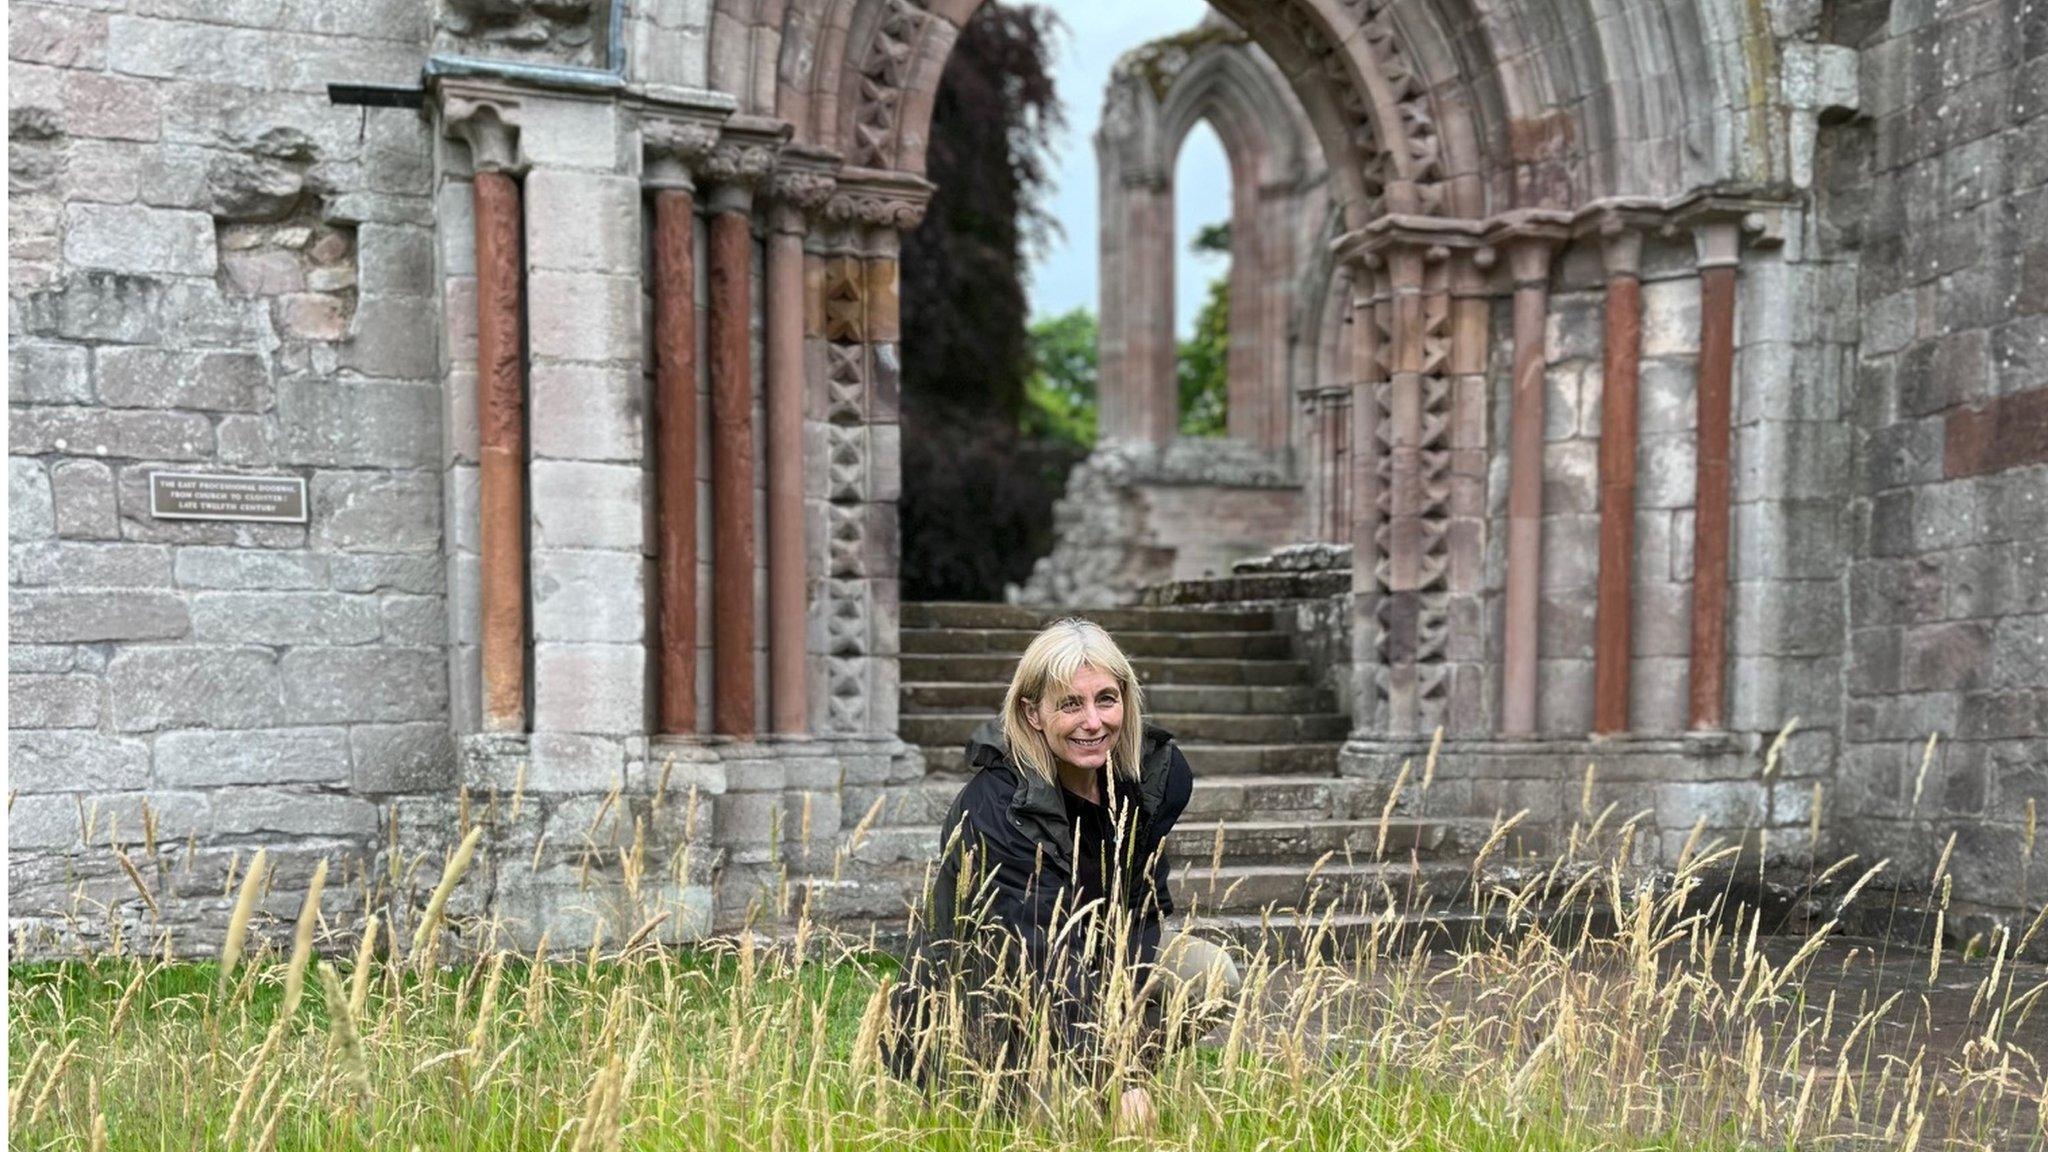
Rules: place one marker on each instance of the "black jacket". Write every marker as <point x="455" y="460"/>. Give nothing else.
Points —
<point x="1000" y="901"/>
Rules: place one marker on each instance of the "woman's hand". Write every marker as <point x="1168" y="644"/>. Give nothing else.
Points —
<point x="1135" y="1115"/>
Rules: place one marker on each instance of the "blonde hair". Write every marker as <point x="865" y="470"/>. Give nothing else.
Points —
<point x="1049" y="665"/>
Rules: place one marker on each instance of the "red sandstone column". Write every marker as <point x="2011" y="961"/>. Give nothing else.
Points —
<point x="501" y="423"/>
<point x="788" y="700"/>
<point x="1621" y="248"/>
<point x="675" y="457"/>
<point x="1718" y="248"/>
<point x="1529" y="261"/>
<point x="732" y="462"/>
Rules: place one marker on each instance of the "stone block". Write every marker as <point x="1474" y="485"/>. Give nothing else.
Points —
<point x="203" y="759"/>
<point x="569" y="132"/>
<point x="1666" y="468"/>
<point x="1901" y="717"/>
<point x="592" y="688"/>
<point x="263" y="271"/>
<point x="376" y="512"/>
<point x="1564" y="706"/>
<point x="250" y="569"/>
<point x="2019" y="652"/>
<point x="392" y="260"/>
<point x="1769" y="690"/>
<point x="158" y="378"/>
<point x="343" y="685"/>
<point x="110" y="107"/>
<point x="286" y="618"/>
<point x="588" y="412"/>
<point x="152" y="688"/>
<point x="1571" y="478"/>
<point x="1949" y="656"/>
<point x="75" y="762"/>
<point x="605" y="235"/>
<point x="1658" y="699"/>
<point x="76" y="566"/>
<point x="412" y="575"/>
<point x="275" y="812"/>
<point x="47" y="374"/>
<point x="415" y="621"/>
<point x="1660" y="619"/>
<point x="130" y="433"/>
<point x="358" y="423"/>
<point x="1901" y="454"/>
<point x="134" y="238"/>
<point x="312" y="316"/>
<point x="1671" y="318"/>
<point x="595" y="596"/>
<point x="31" y="511"/>
<point x="580" y="505"/>
<point x="62" y="37"/>
<point x="86" y="503"/>
<point x="1788" y="541"/>
<point x="569" y="762"/>
<point x="39" y="658"/>
<point x="60" y="701"/>
<point x="1803" y="460"/>
<point x="50" y="616"/>
<point x="42" y="822"/>
<point x="403" y="757"/>
<point x="1786" y="618"/>
<point x="584" y="316"/>
<point x="394" y="335"/>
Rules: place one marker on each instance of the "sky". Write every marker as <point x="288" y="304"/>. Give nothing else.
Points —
<point x="1097" y="32"/>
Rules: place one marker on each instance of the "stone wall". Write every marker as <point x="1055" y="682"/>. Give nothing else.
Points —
<point x="1942" y="192"/>
<point x="215" y="269"/>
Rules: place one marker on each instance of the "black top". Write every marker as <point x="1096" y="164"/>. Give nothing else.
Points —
<point x="1094" y="833"/>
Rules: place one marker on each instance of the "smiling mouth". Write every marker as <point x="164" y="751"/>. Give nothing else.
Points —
<point x="1091" y="745"/>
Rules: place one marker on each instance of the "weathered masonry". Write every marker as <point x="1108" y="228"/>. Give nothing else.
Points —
<point x="1662" y="372"/>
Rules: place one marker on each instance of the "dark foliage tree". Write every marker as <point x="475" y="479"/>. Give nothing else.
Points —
<point x="977" y="496"/>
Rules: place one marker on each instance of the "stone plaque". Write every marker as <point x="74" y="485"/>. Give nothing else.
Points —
<point x="200" y="496"/>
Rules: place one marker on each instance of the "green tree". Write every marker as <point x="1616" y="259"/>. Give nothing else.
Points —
<point x="1059" y="395"/>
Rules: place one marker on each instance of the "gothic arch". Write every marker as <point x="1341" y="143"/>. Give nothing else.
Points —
<point x="1158" y="93"/>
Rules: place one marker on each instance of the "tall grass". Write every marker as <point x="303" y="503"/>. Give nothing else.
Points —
<point x="1585" y="1006"/>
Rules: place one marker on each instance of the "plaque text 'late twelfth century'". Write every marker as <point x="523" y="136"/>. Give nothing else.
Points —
<point x="196" y="496"/>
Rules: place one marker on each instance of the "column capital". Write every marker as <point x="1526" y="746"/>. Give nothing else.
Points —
<point x="743" y="160"/>
<point x="1404" y="243"/>
<point x="802" y="185"/>
<point x="1529" y="236"/>
<point x="675" y="142"/>
<point x="895" y="201"/>
<point x="1717" y="243"/>
<point x="487" y="120"/>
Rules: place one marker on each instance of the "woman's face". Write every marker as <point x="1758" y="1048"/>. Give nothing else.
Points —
<point x="1080" y="722"/>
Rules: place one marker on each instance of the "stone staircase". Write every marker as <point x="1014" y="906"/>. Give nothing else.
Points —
<point x="1271" y="828"/>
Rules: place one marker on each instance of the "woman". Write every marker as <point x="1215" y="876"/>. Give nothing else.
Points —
<point x="1043" y="921"/>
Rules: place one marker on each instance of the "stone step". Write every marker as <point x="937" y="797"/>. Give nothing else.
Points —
<point x="985" y="668"/>
<point x="1193" y="727"/>
<point x="1359" y="888"/>
<point x="954" y="614"/>
<point x="1297" y="842"/>
<point x="1343" y="936"/>
<point x="1208" y="760"/>
<point x="921" y="697"/>
<point x="1244" y="645"/>
<point x="1298" y="798"/>
<point x="1302" y="841"/>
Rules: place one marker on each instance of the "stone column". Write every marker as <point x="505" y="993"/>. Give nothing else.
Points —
<point x="1367" y="375"/>
<point x="1718" y="245"/>
<point x="736" y="168"/>
<point x="1529" y="263"/>
<point x="501" y="404"/>
<point x="672" y="148"/>
<point x="1402" y="610"/>
<point x="1151" y="397"/>
<point x="797" y="193"/>
<point x="1621" y="249"/>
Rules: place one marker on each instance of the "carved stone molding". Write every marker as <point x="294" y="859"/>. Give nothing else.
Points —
<point x="745" y="156"/>
<point x="884" y="75"/>
<point x="879" y="200"/>
<point x="801" y="186"/>
<point x="487" y="121"/>
<point x="674" y="146"/>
